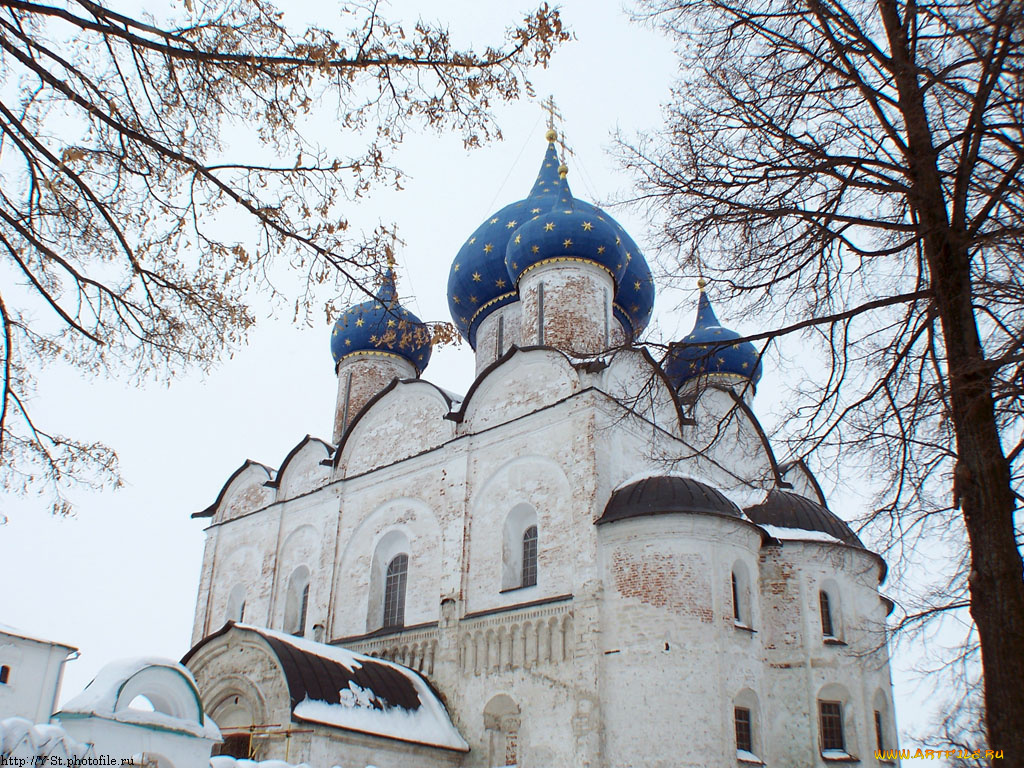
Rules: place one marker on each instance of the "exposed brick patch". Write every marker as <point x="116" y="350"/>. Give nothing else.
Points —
<point x="676" y="582"/>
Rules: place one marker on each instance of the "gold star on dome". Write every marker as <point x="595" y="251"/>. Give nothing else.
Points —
<point x="514" y="265"/>
<point x="693" y="366"/>
<point x="456" y="299"/>
<point x="494" y="220"/>
<point x="488" y="248"/>
<point x="735" y="346"/>
<point x="721" y="361"/>
<point x="391" y="323"/>
<point x="476" y="277"/>
<point x="511" y="224"/>
<point x="600" y="250"/>
<point x="534" y="249"/>
<point x="636" y="286"/>
<point x="473" y="299"/>
<point x="549" y="226"/>
<point x="373" y="339"/>
<point x="472" y="240"/>
<point x="518" y="238"/>
<point x="618" y="240"/>
<point x="745" y="365"/>
<point x="535" y="210"/>
<point x="456" y="267"/>
<point x="360" y="323"/>
<point x="635" y="308"/>
<point x="348" y="342"/>
<point x="566" y="243"/>
<point x="587" y="226"/>
<point x="629" y="257"/>
<point x="499" y="283"/>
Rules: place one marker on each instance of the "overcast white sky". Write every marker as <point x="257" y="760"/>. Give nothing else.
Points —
<point x="120" y="579"/>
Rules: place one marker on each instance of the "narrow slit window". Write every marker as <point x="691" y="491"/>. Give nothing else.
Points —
<point x="736" y="600"/>
<point x="744" y="735"/>
<point x="394" y="591"/>
<point x="831" y="716"/>
<point x="530" y="556"/>
<point x="879" y="732"/>
<point x="827" y="627"/>
<point x="303" y="609"/>
<point x="5" y="673"/>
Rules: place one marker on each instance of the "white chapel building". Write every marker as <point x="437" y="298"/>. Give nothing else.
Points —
<point x="592" y="558"/>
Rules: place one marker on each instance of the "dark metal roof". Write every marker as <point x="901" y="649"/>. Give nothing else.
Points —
<point x="311" y="676"/>
<point x="319" y="678"/>
<point x="657" y="495"/>
<point x="791" y="510"/>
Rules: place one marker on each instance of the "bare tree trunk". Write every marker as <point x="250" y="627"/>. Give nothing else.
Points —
<point x="982" y="486"/>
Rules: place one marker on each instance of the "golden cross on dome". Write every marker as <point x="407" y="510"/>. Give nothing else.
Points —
<point x="552" y="110"/>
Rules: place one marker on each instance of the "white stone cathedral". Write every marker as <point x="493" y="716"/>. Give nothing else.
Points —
<point x="592" y="558"/>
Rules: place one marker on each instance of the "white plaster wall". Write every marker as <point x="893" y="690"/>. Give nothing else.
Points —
<point x="305" y="471"/>
<point x="247" y="493"/>
<point x="34" y="680"/>
<point x="799" y="661"/>
<point x="499" y="484"/>
<point x="366" y="520"/>
<point x="524" y="384"/>
<point x="577" y="307"/>
<point x="407" y="421"/>
<point x="122" y="741"/>
<point x="669" y="640"/>
<point x="488" y="345"/>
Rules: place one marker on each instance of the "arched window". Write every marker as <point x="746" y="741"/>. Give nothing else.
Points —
<point x="5" y="673"/>
<point x="745" y="721"/>
<point x="742" y="611"/>
<point x="837" y="725"/>
<point x="520" y="548"/>
<point x="236" y="604"/>
<point x="297" y="602"/>
<point x="833" y="737"/>
<point x="827" y="624"/>
<point x="394" y="591"/>
<point x="502" y="721"/>
<point x="530" y="557"/>
<point x="882" y="722"/>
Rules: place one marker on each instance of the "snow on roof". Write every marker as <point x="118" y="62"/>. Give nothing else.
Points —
<point x="414" y="714"/>
<point x="7" y="629"/>
<point x="223" y="761"/>
<point x="742" y="497"/>
<point x="100" y="698"/>
<point x="800" y="534"/>
<point x="21" y="739"/>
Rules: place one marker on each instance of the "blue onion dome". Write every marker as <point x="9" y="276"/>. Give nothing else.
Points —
<point x="382" y="326"/>
<point x="711" y="350"/>
<point x="634" y="298"/>
<point x="478" y="282"/>
<point x="566" y="232"/>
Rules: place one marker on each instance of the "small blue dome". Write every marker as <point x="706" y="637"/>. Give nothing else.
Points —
<point x="566" y="232"/>
<point x="382" y="326"/>
<point x="478" y="282"/>
<point x="711" y="350"/>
